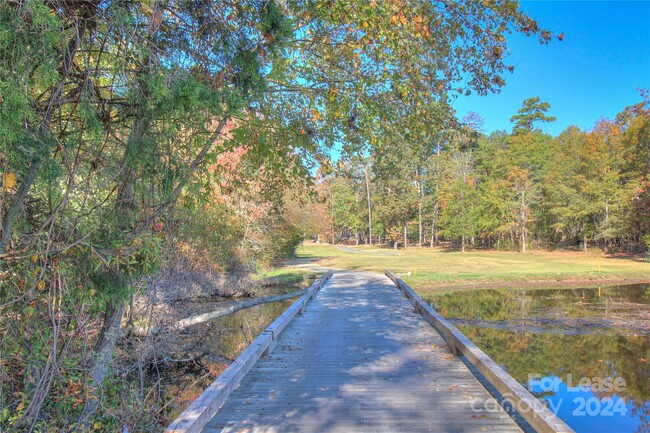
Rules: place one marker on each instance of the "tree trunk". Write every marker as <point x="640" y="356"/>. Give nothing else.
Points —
<point x="226" y="311"/>
<point x="331" y="216"/>
<point x="434" y="221"/>
<point x="103" y="352"/>
<point x="606" y="241"/>
<point x="523" y="222"/>
<point x="124" y="213"/>
<point x="367" y="176"/>
<point x="462" y="244"/>
<point x="200" y="157"/>
<point x="194" y="320"/>
<point x="405" y="234"/>
<point x="17" y="203"/>
<point x="421" y="198"/>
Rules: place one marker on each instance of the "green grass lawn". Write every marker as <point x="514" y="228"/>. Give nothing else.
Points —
<point x="286" y="276"/>
<point x="438" y="267"/>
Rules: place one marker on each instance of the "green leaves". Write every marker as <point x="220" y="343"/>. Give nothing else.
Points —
<point x="532" y="110"/>
<point x="14" y="111"/>
<point x="275" y="25"/>
<point x="248" y="76"/>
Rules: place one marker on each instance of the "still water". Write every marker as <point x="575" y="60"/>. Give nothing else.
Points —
<point x="214" y="344"/>
<point x="585" y="352"/>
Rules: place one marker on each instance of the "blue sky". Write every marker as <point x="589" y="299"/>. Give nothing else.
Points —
<point x="594" y="72"/>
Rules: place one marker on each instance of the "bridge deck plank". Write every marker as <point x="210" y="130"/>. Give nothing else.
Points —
<point x="359" y="360"/>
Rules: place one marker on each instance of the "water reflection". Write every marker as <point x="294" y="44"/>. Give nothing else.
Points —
<point x="217" y="343"/>
<point x="548" y="339"/>
<point x="229" y="336"/>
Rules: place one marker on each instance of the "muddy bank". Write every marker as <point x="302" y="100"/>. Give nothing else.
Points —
<point x="170" y="370"/>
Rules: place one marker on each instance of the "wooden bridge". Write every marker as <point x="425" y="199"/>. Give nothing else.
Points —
<point x="358" y="357"/>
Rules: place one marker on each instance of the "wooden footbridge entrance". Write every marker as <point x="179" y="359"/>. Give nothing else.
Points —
<point x="361" y="358"/>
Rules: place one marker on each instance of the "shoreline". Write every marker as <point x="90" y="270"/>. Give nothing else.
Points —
<point x="522" y="281"/>
<point x="534" y="284"/>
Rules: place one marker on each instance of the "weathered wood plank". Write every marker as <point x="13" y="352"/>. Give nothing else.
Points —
<point x="196" y="416"/>
<point x="359" y="360"/>
<point x="531" y="408"/>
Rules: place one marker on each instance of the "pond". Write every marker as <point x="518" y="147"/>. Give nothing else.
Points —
<point x="585" y="352"/>
<point x="195" y="357"/>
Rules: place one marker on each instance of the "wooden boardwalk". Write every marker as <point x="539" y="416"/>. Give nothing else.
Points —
<point x="360" y="359"/>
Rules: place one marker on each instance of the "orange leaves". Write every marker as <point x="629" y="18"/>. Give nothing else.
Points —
<point x="332" y="93"/>
<point x="8" y="180"/>
<point x="146" y="8"/>
<point x="397" y="19"/>
<point x="315" y="115"/>
<point x="417" y="22"/>
<point x="426" y="31"/>
<point x="497" y="52"/>
<point x="518" y="174"/>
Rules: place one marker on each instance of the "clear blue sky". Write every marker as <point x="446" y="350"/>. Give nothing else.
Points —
<point x="594" y="72"/>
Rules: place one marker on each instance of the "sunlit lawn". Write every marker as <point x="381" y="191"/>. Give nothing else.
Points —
<point x="438" y="267"/>
<point x="286" y="276"/>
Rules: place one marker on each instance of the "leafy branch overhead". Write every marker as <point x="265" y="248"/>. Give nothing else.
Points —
<point x="139" y="138"/>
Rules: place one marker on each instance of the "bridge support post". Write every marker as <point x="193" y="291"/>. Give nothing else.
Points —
<point x="273" y="341"/>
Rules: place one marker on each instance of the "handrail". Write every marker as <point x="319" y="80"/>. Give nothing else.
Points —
<point x="531" y="409"/>
<point x="199" y="413"/>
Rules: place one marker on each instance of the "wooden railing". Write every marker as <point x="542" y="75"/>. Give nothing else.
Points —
<point x="199" y="413"/>
<point x="529" y="407"/>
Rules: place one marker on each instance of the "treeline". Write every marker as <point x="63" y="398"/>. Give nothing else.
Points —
<point x="504" y="190"/>
<point x="141" y="139"/>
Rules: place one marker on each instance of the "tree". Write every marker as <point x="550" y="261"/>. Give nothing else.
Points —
<point x="114" y="117"/>
<point x="347" y="195"/>
<point x="99" y="140"/>
<point x="532" y="110"/>
<point x="458" y="196"/>
<point x="588" y="194"/>
<point x="634" y="124"/>
<point x="496" y="220"/>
